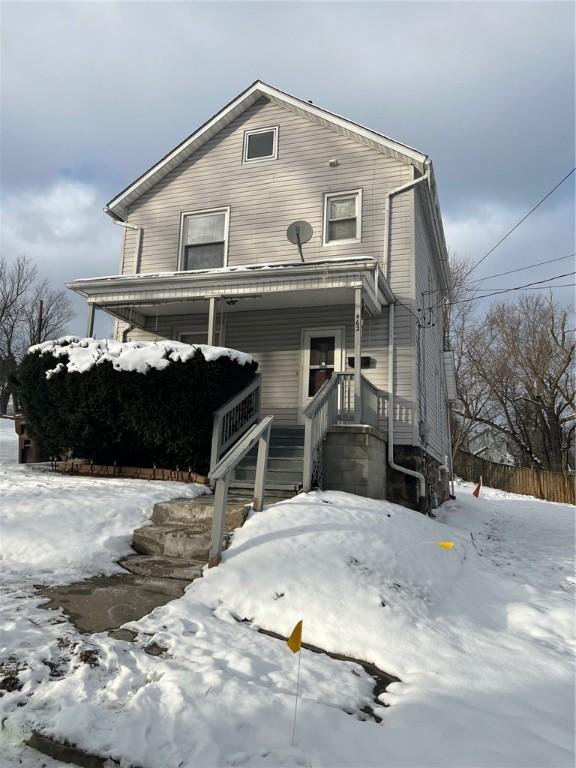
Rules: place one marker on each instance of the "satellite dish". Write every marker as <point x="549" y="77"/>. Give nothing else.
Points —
<point x="299" y="232"/>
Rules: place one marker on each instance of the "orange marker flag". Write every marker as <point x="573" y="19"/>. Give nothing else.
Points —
<point x="476" y="491"/>
<point x="295" y="639"/>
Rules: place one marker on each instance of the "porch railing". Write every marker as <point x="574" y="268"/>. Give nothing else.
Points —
<point x="221" y="473"/>
<point x="334" y="403"/>
<point x="234" y="418"/>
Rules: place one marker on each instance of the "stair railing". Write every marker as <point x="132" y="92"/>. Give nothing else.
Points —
<point x="221" y="474"/>
<point x="234" y="418"/>
<point x="334" y="403"/>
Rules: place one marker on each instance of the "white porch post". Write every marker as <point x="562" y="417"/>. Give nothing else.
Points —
<point x="90" y="321"/>
<point x="211" y="320"/>
<point x="357" y="355"/>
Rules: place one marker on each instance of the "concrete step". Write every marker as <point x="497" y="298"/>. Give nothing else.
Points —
<point x="162" y="567"/>
<point x="172" y="540"/>
<point x="198" y="512"/>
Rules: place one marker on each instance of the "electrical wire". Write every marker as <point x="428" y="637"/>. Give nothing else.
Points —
<point x="522" y="220"/>
<point x="528" y="266"/>
<point x="509" y="272"/>
<point x="520" y="288"/>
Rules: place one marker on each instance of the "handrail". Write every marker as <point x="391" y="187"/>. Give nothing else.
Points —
<point x="220" y="477"/>
<point x="237" y="453"/>
<point x="315" y="403"/>
<point x="334" y="403"/>
<point x="233" y="418"/>
<point x="320" y="414"/>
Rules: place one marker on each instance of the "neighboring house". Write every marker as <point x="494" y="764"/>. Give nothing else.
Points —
<point x="206" y="258"/>
<point x="490" y="444"/>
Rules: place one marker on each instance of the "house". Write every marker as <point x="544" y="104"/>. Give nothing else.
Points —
<point x="489" y="444"/>
<point x="316" y="244"/>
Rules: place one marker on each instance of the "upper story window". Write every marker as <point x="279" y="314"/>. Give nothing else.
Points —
<point x="204" y="239"/>
<point x="342" y="217"/>
<point x="261" y="144"/>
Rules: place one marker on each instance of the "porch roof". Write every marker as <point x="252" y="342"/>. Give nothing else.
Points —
<point x="161" y="292"/>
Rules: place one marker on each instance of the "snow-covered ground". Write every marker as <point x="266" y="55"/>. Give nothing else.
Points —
<point x="481" y="635"/>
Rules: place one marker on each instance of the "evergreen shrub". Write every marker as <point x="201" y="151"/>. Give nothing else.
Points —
<point x="160" y="418"/>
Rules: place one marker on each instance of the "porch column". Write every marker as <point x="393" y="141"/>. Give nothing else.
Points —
<point x="211" y="320"/>
<point x="90" y="322"/>
<point x="357" y="355"/>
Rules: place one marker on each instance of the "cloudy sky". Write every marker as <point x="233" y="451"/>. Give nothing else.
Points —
<point x="93" y="93"/>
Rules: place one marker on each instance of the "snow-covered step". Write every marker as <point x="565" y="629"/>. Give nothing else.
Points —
<point x="172" y="540"/>
<point x="162" y="567"/>
<point x="198" y="512"/>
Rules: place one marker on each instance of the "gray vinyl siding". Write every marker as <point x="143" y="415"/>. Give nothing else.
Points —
<point x="265" y="197"/>
<point x="274" y="337"/>
<point x="431" y="381"/>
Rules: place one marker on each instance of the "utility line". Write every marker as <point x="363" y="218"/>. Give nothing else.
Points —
<point x="528" y="266"/>
<point x="523" y="219"/>
<point x="520" y="288"/>
<point x="509" y="272"/>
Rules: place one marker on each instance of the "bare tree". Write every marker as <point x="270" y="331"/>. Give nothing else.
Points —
<point x="461" y="323"/>
<point x="517" y="376"/>
<point x="21" y="321"/>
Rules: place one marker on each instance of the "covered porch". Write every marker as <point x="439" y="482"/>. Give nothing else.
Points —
<point x="303" y="322"/>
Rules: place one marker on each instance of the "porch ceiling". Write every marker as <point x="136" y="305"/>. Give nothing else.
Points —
<point x="258" y="287"/>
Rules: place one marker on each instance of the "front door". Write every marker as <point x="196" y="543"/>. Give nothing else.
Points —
<point x="322" y="355"/>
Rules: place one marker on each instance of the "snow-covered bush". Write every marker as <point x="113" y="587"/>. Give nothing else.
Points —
<point x="134" y="403"/>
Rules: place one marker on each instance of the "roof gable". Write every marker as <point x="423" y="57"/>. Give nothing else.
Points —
<point x="119" y="205"/>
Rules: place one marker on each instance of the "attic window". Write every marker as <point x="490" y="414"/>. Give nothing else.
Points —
<point x="261" y="144"/>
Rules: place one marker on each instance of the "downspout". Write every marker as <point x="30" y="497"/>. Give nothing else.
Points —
<point x="386" y="267"/>
<point x="411" y="472"/>
<point x="138" y="246"/>
<point x="125" y="333"/>
<point x="388" y="214"/>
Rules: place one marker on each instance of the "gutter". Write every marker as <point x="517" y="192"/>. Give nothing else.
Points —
<point x="169" y="279"/>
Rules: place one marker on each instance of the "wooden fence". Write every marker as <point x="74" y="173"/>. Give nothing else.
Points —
<point x="552" y="486"/>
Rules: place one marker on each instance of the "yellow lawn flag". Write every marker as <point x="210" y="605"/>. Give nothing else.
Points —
<point x="445" y="544"/>
<point x="295" y="639"/>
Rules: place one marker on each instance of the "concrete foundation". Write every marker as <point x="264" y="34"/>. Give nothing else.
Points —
<point x="355" y="461"/>
<point x="403" y="489"/>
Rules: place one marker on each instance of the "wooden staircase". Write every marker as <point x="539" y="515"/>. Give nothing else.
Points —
<point x="285" y="463"/>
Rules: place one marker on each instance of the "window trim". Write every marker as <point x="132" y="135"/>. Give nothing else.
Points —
<point x="346" y="193"/>
<point x="251" y="132"/>
<point x="204" y="212"/>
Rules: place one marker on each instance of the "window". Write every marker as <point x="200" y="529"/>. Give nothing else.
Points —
<point x="342" y="216"/>
<point x="204" y="238"/>
<point x="261" y="145"/>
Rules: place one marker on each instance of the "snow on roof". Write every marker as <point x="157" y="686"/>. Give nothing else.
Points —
<point x="244" y="268"/>
<point x="138" y="356"/>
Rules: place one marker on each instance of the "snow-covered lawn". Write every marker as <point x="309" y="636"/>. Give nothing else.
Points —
<point x="481" y="635"/>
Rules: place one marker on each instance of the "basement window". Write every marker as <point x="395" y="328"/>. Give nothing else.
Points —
<point x="261" y="144"/>
<point x="342" y="217"/>
<point x="204" y="239"/>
